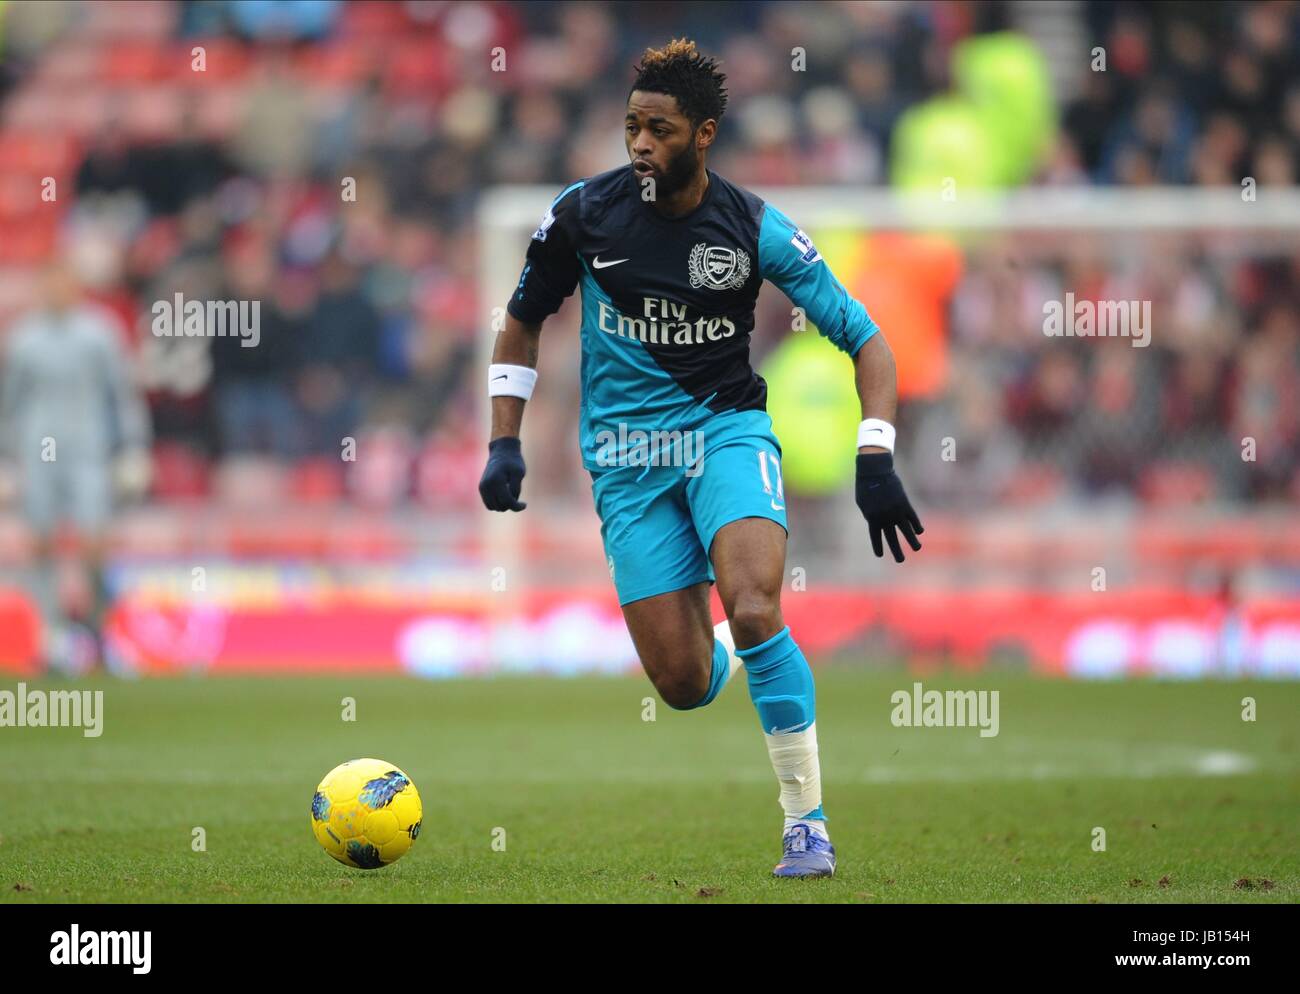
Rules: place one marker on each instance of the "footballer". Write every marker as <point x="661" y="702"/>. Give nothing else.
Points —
<point x="670" y="257"/>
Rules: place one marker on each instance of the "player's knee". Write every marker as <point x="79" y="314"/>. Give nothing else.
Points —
<point x="755" y="618"/>
<point x="682" y="691"/>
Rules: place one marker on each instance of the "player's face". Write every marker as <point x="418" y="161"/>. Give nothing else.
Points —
<point x="661" y="142"/>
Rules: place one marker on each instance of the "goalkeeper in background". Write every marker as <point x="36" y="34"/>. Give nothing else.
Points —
<point x="75" y="429"/>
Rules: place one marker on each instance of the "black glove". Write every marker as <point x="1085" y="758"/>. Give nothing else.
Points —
<point x="503" y="477"/>
<point x="883" y="503"/>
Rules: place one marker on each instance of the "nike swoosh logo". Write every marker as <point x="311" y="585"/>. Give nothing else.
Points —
<point x="597" y="264"/>
<point x="503" y="376"/>
<point x="782" y="731"/>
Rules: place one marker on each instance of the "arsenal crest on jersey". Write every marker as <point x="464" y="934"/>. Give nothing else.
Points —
<point x="718" y="268"/>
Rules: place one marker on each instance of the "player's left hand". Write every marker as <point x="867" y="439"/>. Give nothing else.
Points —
<point x="883" y="503"/>
<point x="503" y="478"/>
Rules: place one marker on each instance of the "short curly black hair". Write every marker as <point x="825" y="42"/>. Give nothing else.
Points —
<point x="679" y="70"/>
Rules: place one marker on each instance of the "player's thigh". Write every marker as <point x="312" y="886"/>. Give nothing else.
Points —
<point x="738" y="505"/>
<point x="659" y="568"/>
<point x="749" y="560"/>
<point x="673" y="634"/>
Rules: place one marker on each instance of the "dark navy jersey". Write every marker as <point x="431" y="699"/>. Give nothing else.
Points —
<point x="668" y="303"/>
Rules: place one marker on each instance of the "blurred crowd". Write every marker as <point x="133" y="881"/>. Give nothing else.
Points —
<point x="1204" y="93"/>
<point x="327" y="160"/>
<point x="1210" y="409"/>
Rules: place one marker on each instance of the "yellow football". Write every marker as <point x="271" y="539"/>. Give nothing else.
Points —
<point x="366" y="813"/>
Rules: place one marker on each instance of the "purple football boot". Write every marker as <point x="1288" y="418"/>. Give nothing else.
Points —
<point x="805" y="854"/>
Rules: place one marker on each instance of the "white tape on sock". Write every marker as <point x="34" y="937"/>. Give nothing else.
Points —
<point x="794" y="760"/>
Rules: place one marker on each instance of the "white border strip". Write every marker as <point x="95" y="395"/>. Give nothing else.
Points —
<point x="1028" y="209"/>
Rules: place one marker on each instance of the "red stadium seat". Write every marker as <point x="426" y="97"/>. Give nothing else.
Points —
<point x="1176" y="483"/>
<point x="225" y="59"/>
<point x="419" y="68"/>
<point x="179" y="473"/>
<point x="336" y="64"/>
<point x="132" y="62"/>
<point x="382" y="20"/>
<point x="30" y="243"/>
<point x="72" y="63"/>
<point x="316" y="481"/>
<point x="1034" y="483"/>
<point x="42" y="153"/>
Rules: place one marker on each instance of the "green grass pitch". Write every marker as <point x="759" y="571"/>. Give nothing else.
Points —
<point x="598" y="804"/>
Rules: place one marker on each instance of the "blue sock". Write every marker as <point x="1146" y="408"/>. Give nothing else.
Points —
<point x="717" y="679"/>
<point x="780" y="684"/>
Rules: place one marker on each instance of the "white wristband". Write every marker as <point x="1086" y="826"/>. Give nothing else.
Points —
<point x="511" y="381"/>
<point x="874" y="431"/>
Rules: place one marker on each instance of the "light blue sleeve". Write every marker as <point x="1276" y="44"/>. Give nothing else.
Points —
<point x="788" y="258"/>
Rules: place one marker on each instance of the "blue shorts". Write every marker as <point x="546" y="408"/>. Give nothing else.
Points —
<point x="659" y="514"/>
